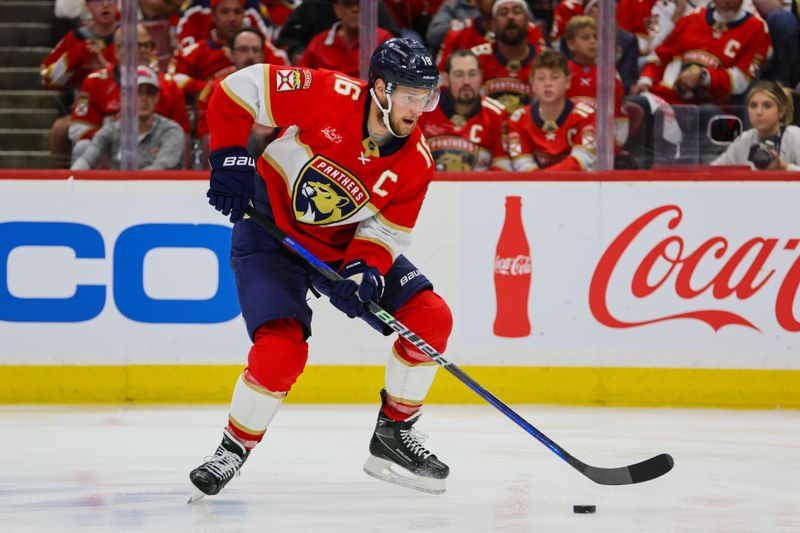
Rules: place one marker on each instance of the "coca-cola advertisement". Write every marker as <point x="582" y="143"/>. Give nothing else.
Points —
<point x="641" y="274"/>
<point x="512" y="274"/>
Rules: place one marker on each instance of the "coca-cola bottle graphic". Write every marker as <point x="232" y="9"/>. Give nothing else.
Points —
<point x="512" y="274"/>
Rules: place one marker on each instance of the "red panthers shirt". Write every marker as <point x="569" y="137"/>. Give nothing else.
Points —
<point x="565" y="10"/>
<point x="583" y="88"/>
<point x="504" y="80"/>
<point x="70" y="61"/>
<point x="568" y="143"/>
<point x="195" y="23"/>
<point x="732" y="53"/>
<point x="201" y="62"/>
<point x="99" y="100"/>
<point x="465" y="143"/>
<point x="328" y="50"/>
<point x="471" y="32"/>
<point x="330" y="186"/>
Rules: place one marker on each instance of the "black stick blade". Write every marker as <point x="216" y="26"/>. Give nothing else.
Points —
<point x="627" y="475"/>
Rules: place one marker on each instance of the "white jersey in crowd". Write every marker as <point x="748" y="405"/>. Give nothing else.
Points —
<point x="739" y="149"/>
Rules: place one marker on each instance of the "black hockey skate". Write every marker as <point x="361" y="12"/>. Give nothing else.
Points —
<point x="210" y="477"/>
<point x="397" y="455"/>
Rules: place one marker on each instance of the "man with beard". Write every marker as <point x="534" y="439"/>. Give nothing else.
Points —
<point x="478" y="30"/>
<point x="467" y="131"/>
<point x="245" y="48"/>
<point x="506" y="63"/>
<point x="196" y="65"/>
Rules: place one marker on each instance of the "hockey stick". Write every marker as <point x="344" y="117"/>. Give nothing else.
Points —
<point x="625" y="475"/>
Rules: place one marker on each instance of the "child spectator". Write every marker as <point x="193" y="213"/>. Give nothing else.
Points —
<point x="553" y="133"/>
<point x="581" y="39"/>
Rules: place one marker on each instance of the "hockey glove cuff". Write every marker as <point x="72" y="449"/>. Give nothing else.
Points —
<point x="232" y="181"/>
<point x="361" y="285"/>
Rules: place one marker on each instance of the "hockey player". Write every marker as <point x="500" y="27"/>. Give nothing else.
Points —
<point x="346" y="179"/>
<point x="552" y="133"/>
<point x="506" y="62"/>
<point x="467" y="131"/>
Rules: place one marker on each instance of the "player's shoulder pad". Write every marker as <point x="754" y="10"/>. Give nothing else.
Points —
<point x="492" y="105"/>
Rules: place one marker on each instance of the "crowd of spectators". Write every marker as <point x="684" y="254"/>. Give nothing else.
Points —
<point x="697" y="81"/>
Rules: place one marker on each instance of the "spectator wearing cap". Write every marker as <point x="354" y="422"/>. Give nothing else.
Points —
<point x="99" y="98"/>
<point x="205" y="60"/>
<point x="160" y="143"/>
<point x="478" y="30"/>
<point x="82" y="51"/>
<point x="506" y="62"/>
<point x="337" y="48"/>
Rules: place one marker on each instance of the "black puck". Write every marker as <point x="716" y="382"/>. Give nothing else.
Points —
<point x="584" y="509"/>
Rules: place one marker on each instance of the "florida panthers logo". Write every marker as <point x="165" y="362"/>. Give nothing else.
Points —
<point x="325" y="193"/>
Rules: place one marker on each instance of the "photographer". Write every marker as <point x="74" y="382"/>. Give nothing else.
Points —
<point x="771" y="144"/>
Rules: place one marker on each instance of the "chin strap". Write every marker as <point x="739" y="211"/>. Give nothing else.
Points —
<point x="385" y="111"/>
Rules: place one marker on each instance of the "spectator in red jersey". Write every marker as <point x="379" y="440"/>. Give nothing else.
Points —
<point x="196" y="22"/>
<point x="467" y="131"/>
<point x="203" y="61"/>
<point x="581" y="39"/>
<point x="506" y="63"/>
<point x="553" y="133"/>
<point x="413" y="16"/>
<point x="160" y="143"/>
<point x="80" y="52"/>
<point x="337" y="48"/>
<point x="711" y="56"/>
<point x="479" y="30"/>
<point x="246" y="48"/>
<point x="99" y="99"/>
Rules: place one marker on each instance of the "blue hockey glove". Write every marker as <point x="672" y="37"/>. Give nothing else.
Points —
<point x="361" y="285"/>
<point x="232" y="181"/>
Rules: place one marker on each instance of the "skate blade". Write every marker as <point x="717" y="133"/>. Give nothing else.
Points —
<point x="393" y="473"/>
<point x="196" y="496"/>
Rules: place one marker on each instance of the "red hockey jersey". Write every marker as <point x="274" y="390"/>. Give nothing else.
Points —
<point x="330" y="186"/>
<point x="328" y="50"/>
<point x="565" y="10"/>
<point x="504" y="80"/>
<point x="583" y="88"/>
<point x="70" y="61"/>
<point x="733" y="55"/>
<point x="195" y="23"/>
<point x="568" y="143"/>
<point x="475" y="142"/>
<point x="471" y="32"/>
<point x="201" y="62"/>
<point x="99" y="100"/>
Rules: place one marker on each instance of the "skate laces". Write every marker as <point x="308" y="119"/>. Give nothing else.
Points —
<point x="414" y="439"/>
<point x="225" y="465"/>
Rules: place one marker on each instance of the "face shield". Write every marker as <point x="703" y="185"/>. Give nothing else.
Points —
<point x="419" y="99"/>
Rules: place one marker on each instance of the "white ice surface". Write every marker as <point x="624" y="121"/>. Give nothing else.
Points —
<point x="80" y="469"/>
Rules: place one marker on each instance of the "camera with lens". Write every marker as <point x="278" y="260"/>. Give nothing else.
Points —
<point x="761" y="154"/>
